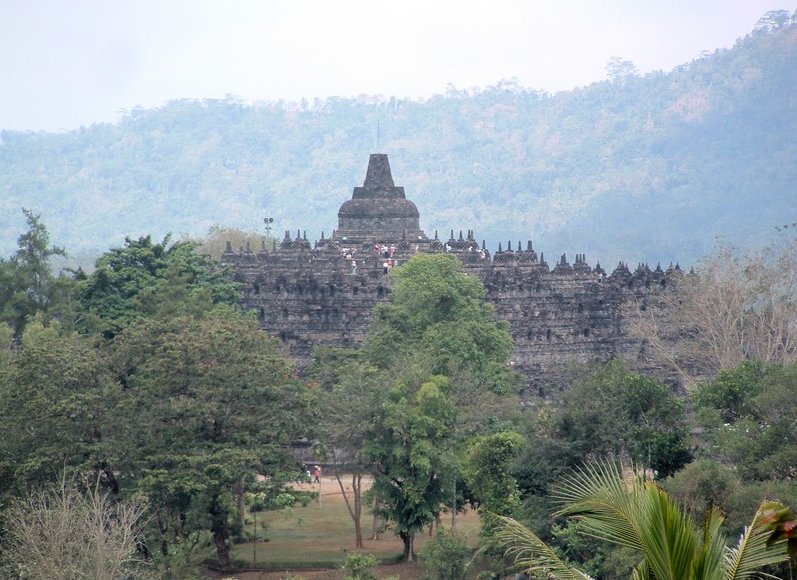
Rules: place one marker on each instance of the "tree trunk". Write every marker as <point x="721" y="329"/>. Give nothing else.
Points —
<point x="222" y="549"/>
<point x="353" y="505"/>
<point x="240" y="497"/>
<point x="358" y="532"/>
<point x="163" y="528"/>
<point x="375" y="524"/>
<point x="409" y="545"/>
<point x="220" y="531"/>
<point x="113" y="484"/>
<point x="143" y="549"/>
<point x="453" y="506"/>
<point x="356" y="481"/>
<point x="434" y="526"/>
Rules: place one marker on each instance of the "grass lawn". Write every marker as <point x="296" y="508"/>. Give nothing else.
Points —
<point x="319" y="534"/>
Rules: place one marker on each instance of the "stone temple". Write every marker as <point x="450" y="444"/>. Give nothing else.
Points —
<point x="322" y="292"/>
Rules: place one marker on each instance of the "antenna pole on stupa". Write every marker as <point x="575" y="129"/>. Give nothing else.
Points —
<point x="378" y="147"/>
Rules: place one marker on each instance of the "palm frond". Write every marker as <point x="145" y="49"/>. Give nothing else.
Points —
<point x="606" y="501"/>
<point x="709" y="561"/>
<point x="623" y="507"/>
<point x="631" y="511"/>
<point x="751" y="552"/>
<point x="531" y="554"/>
<point x="669" y="537"/>
<point x="641" y="572"/>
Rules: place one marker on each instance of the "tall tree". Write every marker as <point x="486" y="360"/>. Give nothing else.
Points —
<point x="27" y="284"/>
<point x="56" y="394"/>
<point x="444" y="362"/>
<point x="748" y="416"/>
<point x="437" y="316"/>
<point x="619" y="69"/>
<point x="411" y="450"/>
<point x="607" y="411"/>
<point x="614" y="411"/>
<point x="489" y="471"/>
<point x="214" y="400"/>
<point x="348" y="411"/>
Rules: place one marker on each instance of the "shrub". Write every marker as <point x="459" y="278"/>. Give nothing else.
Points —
<point x="443" y="557"/>
<point x="358" y="566"/>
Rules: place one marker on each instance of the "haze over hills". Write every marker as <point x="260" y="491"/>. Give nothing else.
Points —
<point x="639" y="168"/>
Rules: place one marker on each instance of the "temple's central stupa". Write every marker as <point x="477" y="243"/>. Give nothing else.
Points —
<point x="378" y="211"/>
<point x="322" y="293"/>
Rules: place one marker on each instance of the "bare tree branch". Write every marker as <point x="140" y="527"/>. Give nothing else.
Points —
<point x="61" y="533"/>
<point x="733" y="308"/>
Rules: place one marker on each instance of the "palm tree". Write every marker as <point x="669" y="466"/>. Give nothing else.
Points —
<point x="626" y="508"/>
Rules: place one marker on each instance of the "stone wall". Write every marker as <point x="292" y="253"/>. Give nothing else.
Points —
<point x="306" y="295"/>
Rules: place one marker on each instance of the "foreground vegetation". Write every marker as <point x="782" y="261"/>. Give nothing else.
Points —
<point x="627" y="509"/>
<point x="140" y="395"/>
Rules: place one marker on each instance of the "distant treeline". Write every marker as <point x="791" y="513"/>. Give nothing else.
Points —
<point x="639" y="167"/>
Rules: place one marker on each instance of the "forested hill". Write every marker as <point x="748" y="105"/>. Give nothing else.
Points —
<point x="638" y="168"/>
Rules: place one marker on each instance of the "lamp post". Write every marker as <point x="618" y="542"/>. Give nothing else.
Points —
<point x="268" y="221"/>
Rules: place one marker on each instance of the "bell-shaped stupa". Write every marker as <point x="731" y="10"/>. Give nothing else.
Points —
<point x="378" y="211"/>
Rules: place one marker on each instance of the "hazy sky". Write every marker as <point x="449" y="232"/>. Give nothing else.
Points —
<point x="66" y="63"/>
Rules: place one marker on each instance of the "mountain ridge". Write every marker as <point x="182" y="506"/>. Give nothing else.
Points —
<point x="638" y="168"/>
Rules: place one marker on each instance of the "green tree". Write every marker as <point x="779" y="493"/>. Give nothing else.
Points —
<point x="626" y="509"/>
<point x="489" y="471"/>
<point x="730" y="395"/>
<point x="346" y="422"/>
<point x="607" y="411"/>
<point x="772" y="20"/>
<point x="214" y="403"/>
<point x="749" y="419"/>
<point x="411" y="452"/>
<point x="619" y="69"/>
<point x="145" y="278"/>
<point x="707" y="482"/>
<point x="360" y="566"/>
<point x="56" y="394"/>
<point x="702" y="484"/>
<point x="594" y="557"/>
<point x="27" y="284"/>
<point x="437" y="316"/>
<point x="443" y="556"/>
<point x="443" y="357"/>
<point x="614" y="411"/>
